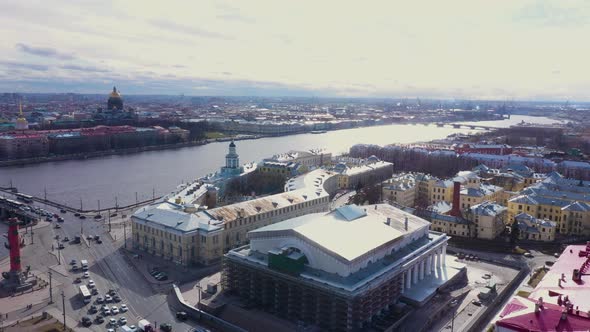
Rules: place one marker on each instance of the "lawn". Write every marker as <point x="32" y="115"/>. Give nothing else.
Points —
<point x="214" y="134"/>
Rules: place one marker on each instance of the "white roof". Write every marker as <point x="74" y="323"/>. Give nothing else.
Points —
<point x="349" y="231"/>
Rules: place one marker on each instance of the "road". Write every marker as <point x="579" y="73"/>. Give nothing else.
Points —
<point x="108" y="268"/>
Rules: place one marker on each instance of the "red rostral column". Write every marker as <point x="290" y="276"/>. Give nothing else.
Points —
<point x="14" y="244"/>
<point x="456" y="209"/>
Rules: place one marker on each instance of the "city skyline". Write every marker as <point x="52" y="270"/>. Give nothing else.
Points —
<point x="462" y="49"/>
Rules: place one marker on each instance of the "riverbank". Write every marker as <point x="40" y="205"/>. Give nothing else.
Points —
<point x="99" y="154"/>
<point x="239" y="137"/>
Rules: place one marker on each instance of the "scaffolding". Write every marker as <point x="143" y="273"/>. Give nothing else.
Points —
<point x="297" y="300"/>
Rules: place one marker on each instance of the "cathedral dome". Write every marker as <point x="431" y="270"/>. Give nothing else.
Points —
<point x="115" y="101"/>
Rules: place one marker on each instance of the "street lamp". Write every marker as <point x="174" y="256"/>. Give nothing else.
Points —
<point x="454" y="308"/>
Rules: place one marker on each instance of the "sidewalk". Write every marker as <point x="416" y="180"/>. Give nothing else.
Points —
<point x="15" y="308"/>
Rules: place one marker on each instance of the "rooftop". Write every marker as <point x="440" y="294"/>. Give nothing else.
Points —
<point x="348" y="222"/>
<point x="488" y="209"/>
<point x="578" y="292"/>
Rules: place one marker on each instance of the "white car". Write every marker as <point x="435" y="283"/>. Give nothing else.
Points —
<point x="108" y="298"/>
<point x="115" y="310"/>
<point x="112" y="322"/>
<point x="123" y="308"/>
<point x="123" y="321"/>
<point x="106" y="310"/>
<point x="110" y="330"/>
<point x="86" y="275"/>
<point x="91" y="283"/>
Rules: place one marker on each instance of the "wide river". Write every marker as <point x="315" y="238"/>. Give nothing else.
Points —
<point x="122" y="176"/>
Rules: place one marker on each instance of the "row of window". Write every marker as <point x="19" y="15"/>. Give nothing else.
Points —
<point x="277" y="212"/>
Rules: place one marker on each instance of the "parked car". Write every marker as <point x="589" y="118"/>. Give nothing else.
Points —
<point x="113" y="322"/>
<point x="86" y="321"/>
<point x="92" y="309"/>
<point x="60" y="246"/>
<point x="77" y="280"/>
<point x="94" y="291"/>
<point x="67" y="239"/>
<point x="123" y="321"/>
<point x="82" y="216"/>
<point x="63" y="211"/>
<point x="528" y="255"/>
<point x="117" y="298"/>
<point x="99" y="319"/>
<point x="115" y="310"/>
<point x="99" y="299"/>
<point x="108" y="298"/>
<point x="91" y="283"/>
<point x="86" y="275"/>
<point x="181" y="315"/>
<point x="76" y="214"/>
<point x="123" y="308"/>
<point x="476" y="302"/>
<point x="99" y="241"/>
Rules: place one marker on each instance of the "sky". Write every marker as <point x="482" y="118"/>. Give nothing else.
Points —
<point x="468" y="49"/>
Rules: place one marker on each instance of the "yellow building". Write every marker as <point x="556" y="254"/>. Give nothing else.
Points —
<point x="372" y="172"/>
<point x="441" y="190"/>
<point x="187" y="235"/>
<point x="531" y="228"/>
<point x="484" y="192"/>
<point x="572" y="218"/>
<point x="401" y="189"/>
<point x="454" y="226"/>
<point x="488" y="220"/>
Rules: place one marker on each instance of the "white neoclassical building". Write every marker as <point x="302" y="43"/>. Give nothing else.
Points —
<point x="357" y="260"/>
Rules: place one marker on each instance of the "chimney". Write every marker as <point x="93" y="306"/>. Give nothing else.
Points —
<point x="406" y="223"/>
<point x="388" y="222"/>
<point x="456" y="211"/>
<point x="536" y="307"/>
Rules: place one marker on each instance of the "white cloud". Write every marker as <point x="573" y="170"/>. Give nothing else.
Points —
<point x="464" y="48"/>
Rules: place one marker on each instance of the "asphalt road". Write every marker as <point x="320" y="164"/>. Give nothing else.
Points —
<point x="109" y="269"/>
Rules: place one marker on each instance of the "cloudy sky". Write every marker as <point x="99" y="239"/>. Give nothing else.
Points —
<point x="503" y="49"/>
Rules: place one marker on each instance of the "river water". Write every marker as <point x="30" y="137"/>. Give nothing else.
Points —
<point x="162" y="171"/>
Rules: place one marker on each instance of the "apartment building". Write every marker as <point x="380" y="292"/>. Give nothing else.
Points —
<point x="488" y="220"/>
<point x="531" y="228"/>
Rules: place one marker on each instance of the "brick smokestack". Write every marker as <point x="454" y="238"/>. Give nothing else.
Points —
<point x="456" y="210"/>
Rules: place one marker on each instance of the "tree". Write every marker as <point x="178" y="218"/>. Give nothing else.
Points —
<point x="514" y="232"/>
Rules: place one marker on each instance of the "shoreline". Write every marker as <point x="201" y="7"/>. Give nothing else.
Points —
<point x="106" y="153"/>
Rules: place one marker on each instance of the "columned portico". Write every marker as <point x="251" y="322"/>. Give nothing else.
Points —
<point x="422" y="267"/>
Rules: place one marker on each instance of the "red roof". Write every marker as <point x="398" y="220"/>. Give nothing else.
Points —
<point x="549" y="318"/>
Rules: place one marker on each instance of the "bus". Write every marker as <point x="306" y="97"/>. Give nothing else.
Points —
<point x="25" y="198"/>
<point x="85" y="293"/>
